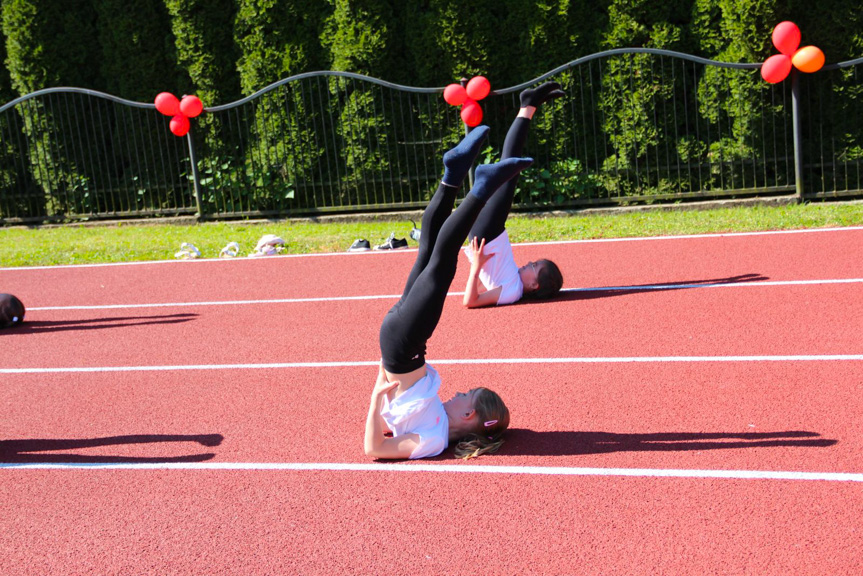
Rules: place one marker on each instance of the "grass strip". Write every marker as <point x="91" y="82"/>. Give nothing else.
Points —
<point x="127" y="242"/>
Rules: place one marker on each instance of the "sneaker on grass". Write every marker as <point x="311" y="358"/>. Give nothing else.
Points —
<point x="393" y="243"/>
<point x="360" y="245"/>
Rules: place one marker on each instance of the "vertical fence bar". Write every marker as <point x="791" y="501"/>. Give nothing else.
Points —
<point x="196" y="181"/>
<point x="798" y="134"/>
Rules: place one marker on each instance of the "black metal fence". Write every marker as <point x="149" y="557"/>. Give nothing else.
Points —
<point x="637" y="126"/>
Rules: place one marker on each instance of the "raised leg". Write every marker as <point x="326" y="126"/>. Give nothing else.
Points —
<point x="492" y="220"/>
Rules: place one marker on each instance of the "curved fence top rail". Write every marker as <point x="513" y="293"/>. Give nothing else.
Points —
<point x="73" y="90"/>
<point x="416" y="90"/>
<point x="846" y="64"/>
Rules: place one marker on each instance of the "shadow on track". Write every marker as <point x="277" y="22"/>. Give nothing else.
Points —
<point x="41" y="326"/>
<point x="34" y="451"/>
<point x="590" y="293"/>
<point x="522" y="442"/>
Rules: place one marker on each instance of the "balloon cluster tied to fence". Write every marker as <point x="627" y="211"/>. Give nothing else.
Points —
<point x="786" y="38"/>
<point x="179" y="110"/>
<point x="468" y="98"/>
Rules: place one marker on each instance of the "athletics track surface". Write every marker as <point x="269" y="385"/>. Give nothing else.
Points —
<point x="688" y="406"/>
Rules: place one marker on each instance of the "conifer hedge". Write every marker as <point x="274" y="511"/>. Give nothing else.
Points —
<point x="223" y="50"/>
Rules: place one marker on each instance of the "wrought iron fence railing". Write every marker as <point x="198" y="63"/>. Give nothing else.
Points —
<point x="637" y="125"/>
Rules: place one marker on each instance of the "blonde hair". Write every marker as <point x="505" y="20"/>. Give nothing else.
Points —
<point x="492" y="423"/>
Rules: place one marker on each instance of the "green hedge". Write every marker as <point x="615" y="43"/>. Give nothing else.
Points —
<point x="222" y="49"/>
<point x="262" y="156"/>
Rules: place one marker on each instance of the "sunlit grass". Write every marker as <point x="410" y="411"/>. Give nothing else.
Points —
<point x="127" y="242"/>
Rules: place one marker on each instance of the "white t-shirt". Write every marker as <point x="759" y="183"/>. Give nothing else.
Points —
<point x="420" y="411"/>
<point x="500" y="270"/>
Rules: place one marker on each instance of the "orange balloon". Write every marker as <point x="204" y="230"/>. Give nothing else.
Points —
<point x="191" y="106"/>
<point x="478" y="88"/>
<point x="167" y="104"/>
<point x="179" y="125"/>
<point x="776" y="68"/>
<point x="455" y="94"/>
<point x="808" y="59"/>
<point x="786" y="37"/>
<point x="471" y="113"/>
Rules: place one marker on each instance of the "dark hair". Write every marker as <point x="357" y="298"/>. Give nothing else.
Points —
<point x="11" y="311"/>
<point x="550" y="281"/>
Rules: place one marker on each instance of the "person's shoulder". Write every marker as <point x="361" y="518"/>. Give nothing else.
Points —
<point x="434" y="439"/>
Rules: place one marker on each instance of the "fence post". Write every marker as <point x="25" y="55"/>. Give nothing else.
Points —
<point x="798" y="134"/>
<point x="195" y="179"/>
<point x="472" y="170"/>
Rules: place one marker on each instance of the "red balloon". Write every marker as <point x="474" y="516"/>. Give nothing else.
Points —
<point x="455" y="94"/>
<point x="776" y="68"/>
<point x="786" y="37"/>
<point x="167" y="104"/>
<point x="471" y="113"/>
<point x="478" y="88"/>
<point x="179" y="125"/>
<point x="191" y="106"/>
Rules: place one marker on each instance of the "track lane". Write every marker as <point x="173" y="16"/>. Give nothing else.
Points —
<point x="802" y="255"/>
<point x="748" y="415"/>
<point x="775" y="320"/>
<point x="318" y="523"/>
<point x="735" y="416"/>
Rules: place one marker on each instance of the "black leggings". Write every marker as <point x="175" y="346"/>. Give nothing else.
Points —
<point x="411" y="321"/>
<point x="491" y="222"/>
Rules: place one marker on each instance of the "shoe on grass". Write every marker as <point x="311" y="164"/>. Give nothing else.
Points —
<point x="268" y="245"/>
<point x="393" y="243"/>
<point x="360" y="245"/>
<point x="187" y="252"/>
<point x="415" y="232"/>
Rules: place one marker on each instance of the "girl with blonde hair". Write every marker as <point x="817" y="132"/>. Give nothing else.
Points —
<point x="405" y="400"/>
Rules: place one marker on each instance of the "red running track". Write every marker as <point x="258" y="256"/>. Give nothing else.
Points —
<point x="606" y="417"/>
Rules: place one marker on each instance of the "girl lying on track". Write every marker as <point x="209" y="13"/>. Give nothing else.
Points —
<point x="405" y="397"/>
<point x="490" y="252"/>
<point x="11" y="311"/>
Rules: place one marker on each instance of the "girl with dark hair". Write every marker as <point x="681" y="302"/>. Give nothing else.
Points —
<point x="11" y="311"/>
<point x="490" y="252"/>
<point x="405" y="398"/>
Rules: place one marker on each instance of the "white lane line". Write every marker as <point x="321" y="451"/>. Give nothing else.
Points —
<point x="220" y="303"/>
<point x="486" y="361"/>
<point x="647" y="288"/>
<point x="200" y="261"/>
<point x="753" y="284"/>
<point x="362" y="254"/>
<point x="450" y="468"/>
<point x="692" y="236"/>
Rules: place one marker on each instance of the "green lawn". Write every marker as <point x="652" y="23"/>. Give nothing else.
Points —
<point x="125" y="242"/>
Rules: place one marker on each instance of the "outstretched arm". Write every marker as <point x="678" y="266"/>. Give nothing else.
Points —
<point x="473" y="298"/>
<point x="376" y="444"/>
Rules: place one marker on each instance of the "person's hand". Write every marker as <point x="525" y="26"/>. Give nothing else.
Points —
<point x="382" y="386"/>
<point x="479" y="257"/>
